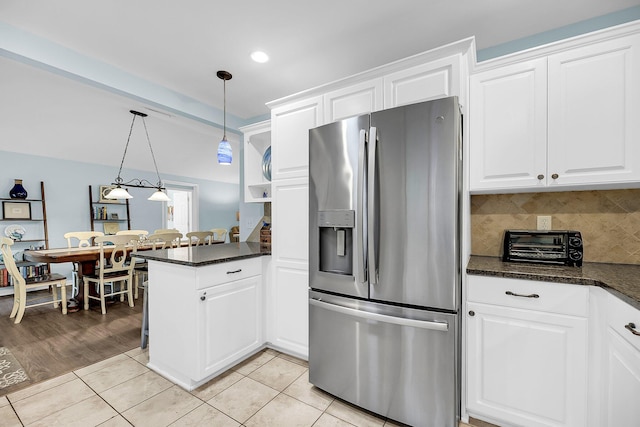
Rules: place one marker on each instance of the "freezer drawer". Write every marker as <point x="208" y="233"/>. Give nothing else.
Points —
<point x="400" y="363"/>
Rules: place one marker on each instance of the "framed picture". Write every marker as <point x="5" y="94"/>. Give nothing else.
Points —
<point x="104" y="190"/>
<point x="114" y="216"/>
<point x="111" y="227"/>
<point x="16" y="210"/>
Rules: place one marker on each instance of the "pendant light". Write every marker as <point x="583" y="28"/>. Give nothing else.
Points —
<point x="224" y="148"/>
<point x="120" y="193"/>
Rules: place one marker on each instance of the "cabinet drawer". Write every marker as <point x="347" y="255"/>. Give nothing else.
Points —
<point x="619" y="316"/>
<point x="217" y="274"/>
<point x="551" y="297"/>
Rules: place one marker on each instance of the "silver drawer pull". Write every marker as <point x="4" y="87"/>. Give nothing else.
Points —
<point x="234" y="271"/>
<point x="632" y="328"/>
<point x="513" y="294"/>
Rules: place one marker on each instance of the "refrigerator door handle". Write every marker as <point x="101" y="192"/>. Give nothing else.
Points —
<point x="401" y="321"/>
<point x="371" y="204"/>
<point x="361" y="274"/>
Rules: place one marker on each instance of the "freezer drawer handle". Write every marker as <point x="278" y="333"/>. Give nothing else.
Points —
<point x="632" y="328"/>
<point x="513" y="294"/>
<point x="424" y="324"/>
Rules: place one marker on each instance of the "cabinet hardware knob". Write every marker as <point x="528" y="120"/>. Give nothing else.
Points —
<point x="202" y="298"/>
<point x="513" y="294"/>
<point x="632" y="328"/>
<point x="472" y="313"/>
<point x="540" y="177"/>
<point x="234" y="271"/>
<point x="555" y="176"/>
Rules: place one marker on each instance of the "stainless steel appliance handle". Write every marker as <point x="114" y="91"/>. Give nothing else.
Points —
<point x="401" y="321"/>
<point x="371" y="204"/>
<point x="361" y="274"/>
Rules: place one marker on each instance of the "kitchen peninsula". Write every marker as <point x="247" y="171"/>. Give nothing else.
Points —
<point x="205" y="309"/>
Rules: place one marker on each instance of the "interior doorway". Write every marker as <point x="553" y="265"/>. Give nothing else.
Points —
<point x="181" y="211"/>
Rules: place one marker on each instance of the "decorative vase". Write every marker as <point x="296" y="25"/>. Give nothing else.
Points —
<point x="18" y="191"/>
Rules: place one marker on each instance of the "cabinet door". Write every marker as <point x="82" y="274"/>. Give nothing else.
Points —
<point x="354" y="100"/>
<point x="526" y="367"/>
<point x="288" y="310"/>
<point x="290" y="126"/>
<point x="594" y="105"/>
<point x="623" y="388"/>
<point x="436" y="79"/>
<point x="230" y="319"/>
<point x="509" y="127"/>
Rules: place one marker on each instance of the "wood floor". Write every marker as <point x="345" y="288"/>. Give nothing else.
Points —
<point x="48" y="344"/>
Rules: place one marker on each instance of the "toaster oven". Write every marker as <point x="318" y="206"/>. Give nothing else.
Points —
<point x="563" y="247"/>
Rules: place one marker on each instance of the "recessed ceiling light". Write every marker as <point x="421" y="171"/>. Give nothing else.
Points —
<point x="259" y="56"/>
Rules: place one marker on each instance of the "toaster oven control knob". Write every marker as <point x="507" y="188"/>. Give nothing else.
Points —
<point x="575" y="241"/>
<point x="575" y="255"/>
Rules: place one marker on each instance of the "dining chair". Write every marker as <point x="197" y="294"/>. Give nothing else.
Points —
<point x="219" y="234"/>
<point x="166" y="230"/>
<point x="79" y="239"/>
<point x="21" y="285"/>
<point x="113" y="267"/>
<point x="140" y="270"/>
<point x="165" y="240"/>
<point x="200" y="238"/>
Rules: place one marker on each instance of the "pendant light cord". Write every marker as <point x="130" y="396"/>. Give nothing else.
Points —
<point x="152" y="155"/>
<point x="224" y="104"/>
<point x="119" y="179"/>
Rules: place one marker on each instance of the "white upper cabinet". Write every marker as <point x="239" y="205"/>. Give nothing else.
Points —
<point x="565" y="120"/>
<point x="508" y="112"/>
<point x="290" y="126"/>
<point x="361" y="98"/>
<point x="436" y="79"/>
<point x="594" y="111"/>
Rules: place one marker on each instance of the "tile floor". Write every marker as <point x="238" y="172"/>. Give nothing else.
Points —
<point x="269" y="389"/>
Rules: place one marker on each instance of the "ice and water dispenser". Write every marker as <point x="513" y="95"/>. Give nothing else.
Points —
<point x="336" y="241"/>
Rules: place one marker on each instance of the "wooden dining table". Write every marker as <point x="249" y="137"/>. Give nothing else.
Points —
<point x="86" y="258"/>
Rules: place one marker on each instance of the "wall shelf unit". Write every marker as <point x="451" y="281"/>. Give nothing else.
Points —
<point x="36" y="233"/>
<point x="257" y="139"/>
<point x="102" y="212"/>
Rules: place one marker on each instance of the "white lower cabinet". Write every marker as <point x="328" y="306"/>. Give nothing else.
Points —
<point x="203" y="320"/>
<point x="526" y="352"/>
<point x="622" y="365"/>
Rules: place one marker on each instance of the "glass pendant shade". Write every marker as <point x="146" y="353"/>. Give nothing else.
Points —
<point x="224" y="152"/>
<point x="118" y="193"/>
<point x="159" y="196"/>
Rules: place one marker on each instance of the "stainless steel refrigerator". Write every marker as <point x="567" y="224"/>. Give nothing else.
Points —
<point x="384" y="261"/>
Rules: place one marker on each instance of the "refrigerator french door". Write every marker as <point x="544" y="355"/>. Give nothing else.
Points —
<point x="384" y="262"/>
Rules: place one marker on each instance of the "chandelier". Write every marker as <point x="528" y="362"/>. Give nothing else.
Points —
<point x="120" y="193"/>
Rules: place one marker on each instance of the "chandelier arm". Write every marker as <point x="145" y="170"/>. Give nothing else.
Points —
<point x="152" y="154"/>
<point x="119" y="179"/>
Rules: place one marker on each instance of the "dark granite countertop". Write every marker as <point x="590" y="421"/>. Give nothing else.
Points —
<point x="622" y="280"/>
<point x="199" y="256"/>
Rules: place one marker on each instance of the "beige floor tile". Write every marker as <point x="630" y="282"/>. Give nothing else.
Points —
<point x="4" y="401"/>
<point x="217" y="385"/>
<point x="285" y="411"/>
<point x="294" y="360"/>
<point x="327" y="420"/>
<point x="40" y="405"/>
<point x="8" y="418"/>
<point x="37" y="388"/>
<point x="89" y="412"/>
<point x="243" y="399"/>
<point x="100" y="365"/>
<point x="277" y="373"/>
<point x="114" y="374"/>
<point x="271" y="351"/>
<point x="162" y="409"/>
<point x="304" y="391"/>
<point x="142" y="358"/>
<point x="254" y="362"/>
<point x="115" y="422"/>
<point x="205" y="415"/>
<point x="138" y="389"/>
<point x="136" y="351"/>
<point x="353" y="414"/>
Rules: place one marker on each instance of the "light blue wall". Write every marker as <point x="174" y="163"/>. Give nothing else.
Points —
<point x="561" y="33"/>
<point x="67" y="195"/>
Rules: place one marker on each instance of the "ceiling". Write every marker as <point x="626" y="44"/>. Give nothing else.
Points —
<point x="179" y="45"/>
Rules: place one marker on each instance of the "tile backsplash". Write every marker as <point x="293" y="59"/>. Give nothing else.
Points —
<point x="609" y="220"/>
